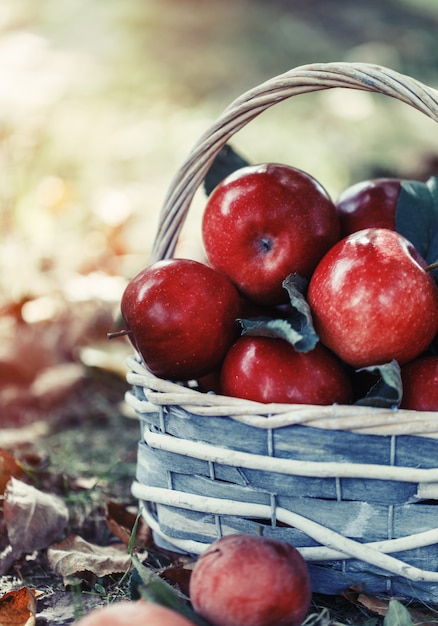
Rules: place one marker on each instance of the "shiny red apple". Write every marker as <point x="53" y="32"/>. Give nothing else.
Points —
<point x="181" y="316"/>
<point x="267" y="369"/>
<point x="372" y="300"/>
<point x="264" y="222"/>
<point x="420" y="384"/>
<point x="369" y="204"/>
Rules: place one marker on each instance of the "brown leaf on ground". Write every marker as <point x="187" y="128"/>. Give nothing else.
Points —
<point x="18" y="608"/>
<point x="9" y="467"/>
<point x="122" y="521"/>
<point x="179" y="576"/>
<point x="34" y="519"/>
<point x="379" y="606"/>
<point x="75" y="556"/>
<point x="376" y="605"/>
<point x="40" y="366"/>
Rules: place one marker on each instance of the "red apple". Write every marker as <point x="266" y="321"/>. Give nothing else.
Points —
<point x="372" y="300"/>
<point x="369" y="204"/>
<point x="267" y="369"/>
<point x="249" y="580"/>
<point x="129" y="613"/>
<point x="420" y="384"/>
<point x="181" y="315"/>
<point x="264" y="222"/>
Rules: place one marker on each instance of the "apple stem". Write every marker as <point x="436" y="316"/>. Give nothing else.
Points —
<point x="432" y="266"/>
<point x="119" y="333"/>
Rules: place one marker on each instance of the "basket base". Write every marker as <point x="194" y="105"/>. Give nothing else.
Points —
<point x="331" y="578"/>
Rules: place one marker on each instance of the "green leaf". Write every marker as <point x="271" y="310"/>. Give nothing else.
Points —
<point x="397" y="615"/>
<point x="226" y="162"/>
<point x="275" y="328"/>
<point x="296" y="328"/>
<point x="416" y="216"/>
<point x="147" y="584"/>
<point x="388" y="390"/>
<point x="301" y="315"/>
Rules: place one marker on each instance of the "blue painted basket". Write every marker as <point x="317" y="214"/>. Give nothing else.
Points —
<point x="355" y="489"/>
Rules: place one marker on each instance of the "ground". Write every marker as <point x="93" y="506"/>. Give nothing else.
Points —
<point x="99" y="105"/>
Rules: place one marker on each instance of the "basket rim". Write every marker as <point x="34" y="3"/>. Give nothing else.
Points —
<point x="160" y="393"/>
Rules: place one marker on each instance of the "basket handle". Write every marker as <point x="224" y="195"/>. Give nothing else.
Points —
<point x="303" y="79"/>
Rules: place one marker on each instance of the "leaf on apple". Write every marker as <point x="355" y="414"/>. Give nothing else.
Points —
<point x="226" y="162"/>
<point x="297" y="328"/>
<point x="416" y="216"/>
<point x="387" y="391"/>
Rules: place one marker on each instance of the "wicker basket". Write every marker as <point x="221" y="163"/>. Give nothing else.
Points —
<point x="354" y="488"/>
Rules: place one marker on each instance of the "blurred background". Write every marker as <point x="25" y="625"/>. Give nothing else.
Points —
<point x="100" y="102"/>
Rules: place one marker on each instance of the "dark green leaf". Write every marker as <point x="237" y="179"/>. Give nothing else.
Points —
<point x="226" y="162"/>
<point x="270" y="327"/>
<point x="296" y="328"/>
<point x="433" y="254"/>
<point x="301" y="316"/>
<point x="397" y="615"/>
<point x="417" y="216"/>
<point x="387" y="392"/>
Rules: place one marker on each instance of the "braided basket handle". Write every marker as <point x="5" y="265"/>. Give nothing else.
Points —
<point x="303" y="79"/>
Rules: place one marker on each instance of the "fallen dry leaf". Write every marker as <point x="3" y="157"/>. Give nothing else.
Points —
<point x="376" y="605"/>
<point x="8" y="467"/>
<point x="121" y="523"/>
<point x="34" y="520"/>
<point x="39" y="367"/>
<point x="179" y="576"/>
<point x="75" y="556"/>
<point x="18" y="608"/>
<point x="380" y="607"/>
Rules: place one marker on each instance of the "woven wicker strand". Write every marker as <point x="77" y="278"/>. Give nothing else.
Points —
<point x="236" y="458"/>
<point x="335" y="417"/>
<point x="318" y="532"/>
<point x="389" y="546"/>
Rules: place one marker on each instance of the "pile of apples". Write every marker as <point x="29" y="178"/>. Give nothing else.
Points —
<point x="300" y="298"/>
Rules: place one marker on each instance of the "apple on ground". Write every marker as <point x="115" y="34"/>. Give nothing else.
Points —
<point x="181" y="316"/>
<point x="372" y="300"/>
<point x="250" y="580"/>
<point x="264" y="222"/>
<point x="369" y="204"/>
<point x="420" y="384"/>
<point x="267" y="369"/>
<point x="130" y="613"/>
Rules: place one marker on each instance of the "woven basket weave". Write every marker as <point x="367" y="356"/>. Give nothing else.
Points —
<point x="355" y="489"/>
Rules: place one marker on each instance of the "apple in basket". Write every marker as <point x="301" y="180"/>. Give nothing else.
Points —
<point x="249" y="580"/>
<point x="372" y="300"/>
<point x="420" y="384"/>
<point x="181" y="316"/>
<point x="369" y="204"/>
<point x="264" y="222"/>
<point x="130" y="613"/>
<point x="267" y="369"/>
